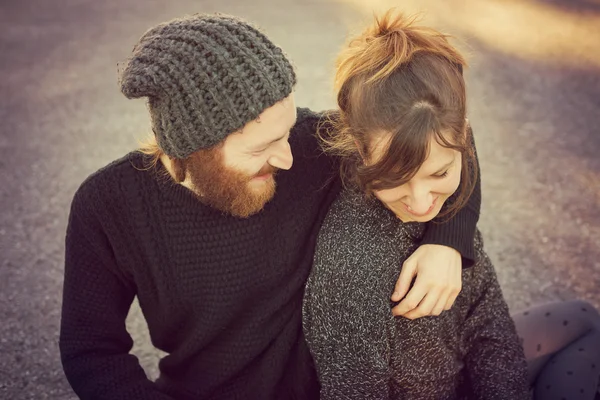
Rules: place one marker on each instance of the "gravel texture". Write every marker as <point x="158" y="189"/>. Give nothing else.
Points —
<point x="62" y="117"/>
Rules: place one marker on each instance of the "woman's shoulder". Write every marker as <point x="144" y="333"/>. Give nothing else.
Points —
<point x="351" y="213"/>
<point x="357" y="223"/>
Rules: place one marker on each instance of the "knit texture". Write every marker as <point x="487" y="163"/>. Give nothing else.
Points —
<point x="205" y="77"/>
<point x="361" y="351"/>
<point x="221" y="295"/>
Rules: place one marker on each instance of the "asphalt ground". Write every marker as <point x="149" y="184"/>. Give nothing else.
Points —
<point x="534" y="104"/>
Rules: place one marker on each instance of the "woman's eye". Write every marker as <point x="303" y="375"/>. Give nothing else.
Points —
<point x="445" y="174"/>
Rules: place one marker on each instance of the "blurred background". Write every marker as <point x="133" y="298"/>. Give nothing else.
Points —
<point x="534" y="98"/>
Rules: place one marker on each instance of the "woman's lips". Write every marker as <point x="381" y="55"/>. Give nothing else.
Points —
<point x="409" y="210"/>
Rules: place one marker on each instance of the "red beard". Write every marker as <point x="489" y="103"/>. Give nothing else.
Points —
<point x="226" y="189"/>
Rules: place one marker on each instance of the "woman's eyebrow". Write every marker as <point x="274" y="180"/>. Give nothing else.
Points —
<point x="442" y="169"/>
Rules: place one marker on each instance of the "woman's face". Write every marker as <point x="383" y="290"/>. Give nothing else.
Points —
<point x="422" y="198"/>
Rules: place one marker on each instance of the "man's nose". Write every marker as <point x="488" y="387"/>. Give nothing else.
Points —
<point x="282" y="158"/>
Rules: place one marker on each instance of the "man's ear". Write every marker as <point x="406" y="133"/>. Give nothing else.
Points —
<point x="178" y="166"/>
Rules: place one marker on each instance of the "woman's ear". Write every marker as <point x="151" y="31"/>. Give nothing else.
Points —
<point x="360" y="151"/>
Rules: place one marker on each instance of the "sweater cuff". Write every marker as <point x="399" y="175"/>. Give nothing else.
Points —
<point x="457" y="233"/>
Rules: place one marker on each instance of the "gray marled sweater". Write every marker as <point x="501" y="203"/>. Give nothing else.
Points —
<point x="362" y="351"/>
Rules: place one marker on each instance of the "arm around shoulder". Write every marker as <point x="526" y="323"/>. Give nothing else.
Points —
<point x="459" y="231"/>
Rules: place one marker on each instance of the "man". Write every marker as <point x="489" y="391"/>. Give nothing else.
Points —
<point x="194" y="227"/>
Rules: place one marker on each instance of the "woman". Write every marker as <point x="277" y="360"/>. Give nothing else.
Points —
<point x="407" y="156"/>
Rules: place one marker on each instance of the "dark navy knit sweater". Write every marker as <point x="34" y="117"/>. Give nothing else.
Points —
<point x="221" y="295"/>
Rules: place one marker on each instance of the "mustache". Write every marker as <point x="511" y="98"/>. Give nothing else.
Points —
<point x="267" y="169"/>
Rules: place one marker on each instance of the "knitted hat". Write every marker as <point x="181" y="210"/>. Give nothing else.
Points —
<point x="205" y="77"/>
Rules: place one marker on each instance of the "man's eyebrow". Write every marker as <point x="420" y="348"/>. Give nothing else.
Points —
<point x="263" y="145"/>
<point x="444" y="168"/>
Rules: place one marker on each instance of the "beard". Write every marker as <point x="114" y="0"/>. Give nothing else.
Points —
<point x="225" y="188"/>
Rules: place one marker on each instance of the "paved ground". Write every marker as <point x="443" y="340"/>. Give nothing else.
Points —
<point x="534" y="91"/>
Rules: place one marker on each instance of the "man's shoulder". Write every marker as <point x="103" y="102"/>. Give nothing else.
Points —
<point x="309" y="126"/>
<point x="305" y="115"/>
<point x="308" y="119"/>
<point x="104" y="184"/>
<point x="112" y="172"/>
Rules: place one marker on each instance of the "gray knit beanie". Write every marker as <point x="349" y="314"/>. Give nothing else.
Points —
<point x="205" y="77"/>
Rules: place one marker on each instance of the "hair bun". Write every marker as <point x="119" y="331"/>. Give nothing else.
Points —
<point x="392" y="23"/>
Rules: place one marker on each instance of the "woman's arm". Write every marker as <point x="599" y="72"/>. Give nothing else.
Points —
<point x="494" y="361"/>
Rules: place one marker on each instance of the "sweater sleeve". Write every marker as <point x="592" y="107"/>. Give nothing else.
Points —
<point x="94" y="344"/>
<point x="494" y="361"/>
<point x="458" y="232"/>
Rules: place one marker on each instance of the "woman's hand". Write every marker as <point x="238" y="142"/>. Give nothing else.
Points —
<point x="439" y="280"/>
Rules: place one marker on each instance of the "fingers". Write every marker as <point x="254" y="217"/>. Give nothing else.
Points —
<point x="455" y="291"/>
<point x="411" y="301"/>
<point x="426" y="307"/>
<point x="407" y="274"/>
<point x="451" y="299"/>
<point x="440" y="306"/>
<point x="432" y="303"/>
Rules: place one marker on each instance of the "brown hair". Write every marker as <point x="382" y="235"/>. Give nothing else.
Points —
<point x="407" y="81"/>
<point x="154" y="152"/>
<point x="150" y="148"/>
